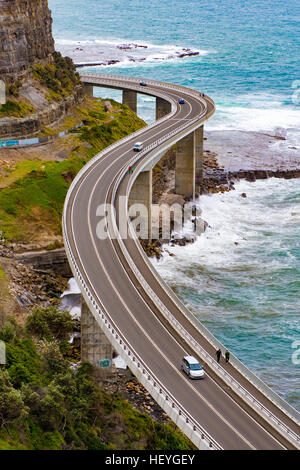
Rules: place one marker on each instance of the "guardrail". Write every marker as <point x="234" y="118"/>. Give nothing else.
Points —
<point x="164" y="398"/>
<point x="177" y="413"/>
<point x="224" y="375"/>
<point x="229" y="380"/>
<point x="159" y="392"/>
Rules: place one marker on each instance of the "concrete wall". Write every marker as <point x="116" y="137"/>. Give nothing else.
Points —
<point x="54" y="260"/>
<point x="2" y="92"/>
<point x="95" y="347"/>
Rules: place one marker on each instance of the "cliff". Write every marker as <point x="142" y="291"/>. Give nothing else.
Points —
<point x="41" y="86"/>
<point x="25" y="37"/>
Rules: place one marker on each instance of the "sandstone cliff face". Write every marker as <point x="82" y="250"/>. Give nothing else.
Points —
<point x="25" y="36"/>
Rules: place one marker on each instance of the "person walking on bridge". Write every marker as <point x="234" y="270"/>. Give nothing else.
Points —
<point x="227" y="356"/>
<point x="218" y="354"/>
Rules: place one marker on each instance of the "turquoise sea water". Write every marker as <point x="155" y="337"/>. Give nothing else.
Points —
<point x="247" y="294"/>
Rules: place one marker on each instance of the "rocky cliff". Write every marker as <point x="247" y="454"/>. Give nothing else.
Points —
<point x="25" y="36"/>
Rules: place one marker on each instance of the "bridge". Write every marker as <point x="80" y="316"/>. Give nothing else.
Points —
<point x="129" y="308"/>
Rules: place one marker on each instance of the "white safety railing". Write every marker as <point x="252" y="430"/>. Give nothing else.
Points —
<point x="147" y="377"/>
<point x="223" y="374"/>
<point x="175" y="410"/>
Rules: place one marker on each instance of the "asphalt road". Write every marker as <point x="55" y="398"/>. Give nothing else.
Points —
<point x="115" y="288"/>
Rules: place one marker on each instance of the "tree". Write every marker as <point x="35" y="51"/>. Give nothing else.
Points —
<point x="11" y="402"/>
<point x="49" y="322"/>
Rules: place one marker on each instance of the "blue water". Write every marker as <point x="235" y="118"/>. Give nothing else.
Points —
<point x="247" y="294"/>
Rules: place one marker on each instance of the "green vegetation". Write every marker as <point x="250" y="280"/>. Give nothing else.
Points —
<point x="59" y="77"/>
<point x="36" y="200"/>
<point x="33" y="193"/>
<point x="13" y="89"/>
<point x="44" y="404"/>
<point x="100" y="130"/>
<point x="17" y="109"/>
<point x="49" y="322"/>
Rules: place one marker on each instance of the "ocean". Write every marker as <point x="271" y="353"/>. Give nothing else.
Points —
<point x="242" y="277"/>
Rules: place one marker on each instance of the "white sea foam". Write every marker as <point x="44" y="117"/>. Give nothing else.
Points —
<point x="72" y="287"/>
<point x="262" y="115"/>
<point x="91" y="51"/>
<point x="239" y="232"/>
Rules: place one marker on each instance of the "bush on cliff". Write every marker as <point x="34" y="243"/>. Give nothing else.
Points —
<point x="12" y="108"/>
<point x="59" y="77"/>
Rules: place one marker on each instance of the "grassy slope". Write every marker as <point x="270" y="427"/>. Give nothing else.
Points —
<point x="34" y="191"/>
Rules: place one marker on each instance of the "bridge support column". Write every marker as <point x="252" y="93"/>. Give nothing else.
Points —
<point x="141" y="193"/>
<point x="185" y="166"/>
<point x="189" y="163"/>
<point x="88" y="89"/>
<point x="199" y="155"/>
<point x="130" y="99"/>
<point x="163" y="107"/>
<point x="95" y="347"/>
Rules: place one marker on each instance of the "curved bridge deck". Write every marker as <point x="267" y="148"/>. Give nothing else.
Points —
<point x="145" y="322"/>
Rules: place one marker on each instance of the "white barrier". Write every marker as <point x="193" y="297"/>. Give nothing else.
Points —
<point x="192" y="429"/>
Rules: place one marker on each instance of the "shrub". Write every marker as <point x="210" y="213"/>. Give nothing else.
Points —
<point x="60" y="77"/>
<point x="12" y="108"/>
<point x="49" y="322"/>
<point x="11" y="403"/>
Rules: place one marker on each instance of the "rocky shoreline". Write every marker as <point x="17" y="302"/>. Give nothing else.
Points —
<point x="229" y="156"/>
<point x="98" y="53"/>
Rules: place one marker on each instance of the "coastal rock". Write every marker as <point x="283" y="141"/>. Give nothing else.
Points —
<point x="25" y="37"/>
<point x="108" y="107"/>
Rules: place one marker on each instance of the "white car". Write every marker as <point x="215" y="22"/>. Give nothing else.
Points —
<point x="138" y="146"/>
<point x="192" y="367"/>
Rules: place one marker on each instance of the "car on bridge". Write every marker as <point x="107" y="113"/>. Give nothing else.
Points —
<point x="143" y="83"/>
<point x="138" y="146"/>
<point x="181" y="101"/>
<point x="192" y="367"/>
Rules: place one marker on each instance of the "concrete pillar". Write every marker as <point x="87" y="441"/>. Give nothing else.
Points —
<point x="2" y="92"/>
<point x="88" y="89"/>
<point x="163" y="107"/>
<point x="185" y="166"/>
<point x="130" y="99"/>
<point x="141" y="193"/>
<point x="199" y="154"/>
<point x="189" y="163"/>
<point x="95" y="347"/>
